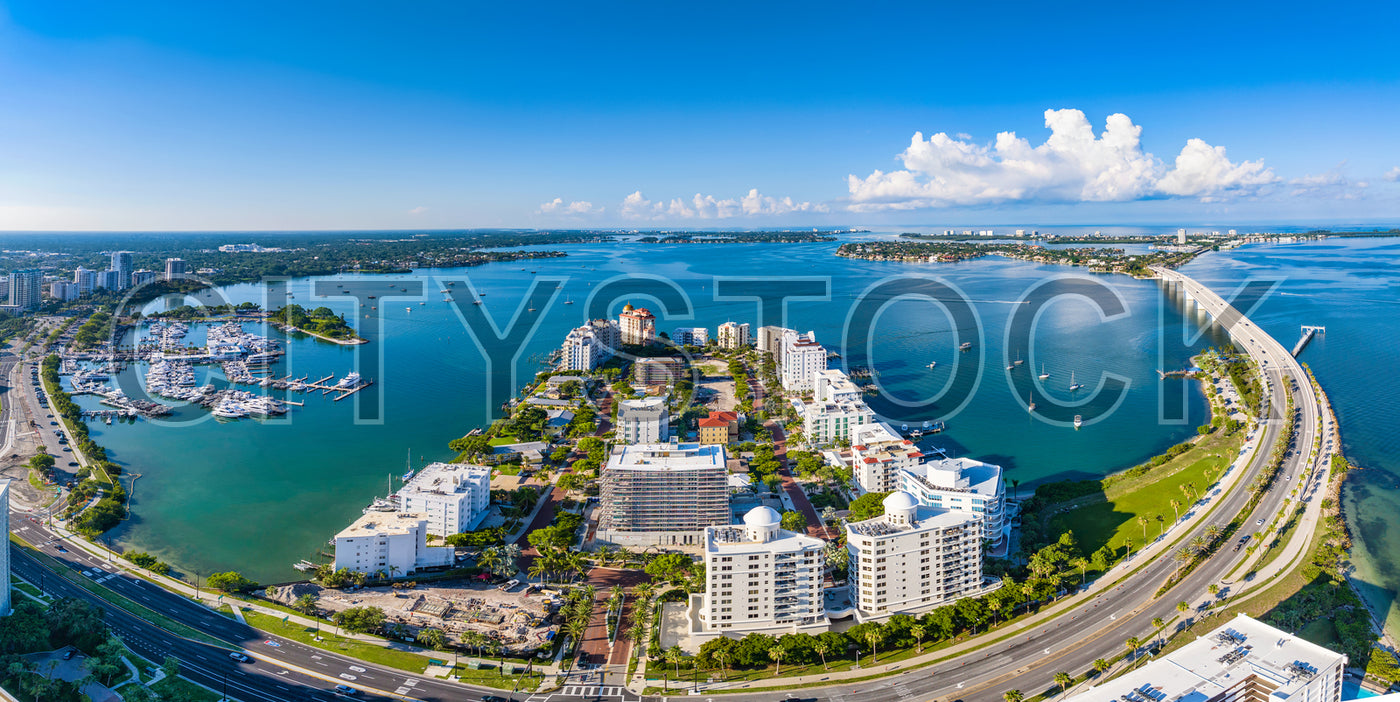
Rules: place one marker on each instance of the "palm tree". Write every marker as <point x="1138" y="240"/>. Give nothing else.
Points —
<point x="723" y="657"/>
<point x="674" y="656"/>
<point x="1213" y="589"/>
<point x="1182" y="607"/>
<point x="1064" y="680"/>
<point x="1101" y="665"/>
<point x="1176" y="508"/>
<point x="1199" y="544"/>
<point x="994" y="605"/>
<point x="820" y="647"/>
<point x="1214" y="532"/>
<point x="776" y="653"/>
<point x="873" y="637"/>
<point x="1015" y="489"/>
<point x="1142" y="521"/>
<point x="917" y="631"/>
<point x="1158" y="623"/>
<point x="1013" y="696"/>
<point x="1133" y="644"/>
<point x="1083" y="565"/>
<point x="1182" y="555"/>
<point x="491" y="559"/>
<point x="604" y="554"/>
<point x="1161" y="524"/>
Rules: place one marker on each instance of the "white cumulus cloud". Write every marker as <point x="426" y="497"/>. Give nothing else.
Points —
<point x="1332" y="185"/>
<point x="1393" y="175"/>
<point x="1073" y="165"/>
<point x="418" y="210"/>
<point x="754" y="204"/>
<point x="578" y="207"/>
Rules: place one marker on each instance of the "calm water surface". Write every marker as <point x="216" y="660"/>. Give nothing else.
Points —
<point x="258" y="496"/>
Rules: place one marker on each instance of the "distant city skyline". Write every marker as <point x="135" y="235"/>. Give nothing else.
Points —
<point x="172" y="116"/>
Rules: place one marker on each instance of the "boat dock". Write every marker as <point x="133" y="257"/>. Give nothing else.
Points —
<point x="1308" y="333"/>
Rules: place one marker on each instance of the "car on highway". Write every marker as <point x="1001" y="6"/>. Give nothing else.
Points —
<point x="346" y="691"/>
<point x="235" y="655"/>
<point x="62" y="549"/>
<point x="494" y="698"/>
<point x="1259" y="523"/>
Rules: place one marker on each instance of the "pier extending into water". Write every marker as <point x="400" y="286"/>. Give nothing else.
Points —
<point x="1308" y="333"/>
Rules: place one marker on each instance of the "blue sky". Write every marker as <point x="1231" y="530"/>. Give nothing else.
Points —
<point x="419" y="115"/>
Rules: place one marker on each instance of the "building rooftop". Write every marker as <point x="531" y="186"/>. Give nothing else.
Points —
<point x="925" y="517"/>
<point x="1236" y="654"/>
<point x="959" y="475"/>
<point x="673" y="456"/>
<point x="373" y="523"/>
<point x="444" y="478"/>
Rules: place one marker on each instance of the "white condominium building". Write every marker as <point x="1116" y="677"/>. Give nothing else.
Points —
<point x="638" y="325"/>
<point x="913" y="558"/>
<point x="836" y="409"/>
<point x="1242" y="660"/>
<point x="733" y="336"/>
<point x="643" y="421"/>
<point x="961" y="484"/>
<point x="770" y="341"/>
<point x="590" y="345"/>
<point x="760" y="578"/>
<point x="392" y="543"/>
<point x="691" y="336"/>
<point x="453" y="496"/>
<point x="878" y="454"/>
<point x="85" y="279"/>
<point x="802" y="359"/>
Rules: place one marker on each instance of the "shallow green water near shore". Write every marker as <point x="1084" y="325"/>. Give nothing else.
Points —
<point x="257" y="497"/>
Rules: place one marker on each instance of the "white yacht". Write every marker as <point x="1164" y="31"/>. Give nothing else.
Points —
<point x="229" y="409"/>
<point x="350" y="381"/>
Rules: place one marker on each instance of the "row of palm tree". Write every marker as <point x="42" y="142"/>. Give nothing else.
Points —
<point x="559" y="566"/>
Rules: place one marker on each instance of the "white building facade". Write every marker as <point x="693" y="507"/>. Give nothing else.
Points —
<point x="878" y="454"/>
<point x="760" y="578"/>
<point x="733" y="335"/>
<point x="691" y="336"/>
<point x="454" y="497"/>
<point x="836" y="409"/>
<point x="638" y="325"/>
<point x="643" y="421"/>
<point x="802" y="359"/>
<point x="391" y="543"/>
<point x="961" y="484"/>
<point x="913" y="559"/>
<point x="590" y="345"/>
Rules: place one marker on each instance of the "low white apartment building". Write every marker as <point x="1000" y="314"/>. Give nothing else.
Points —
<point x="733" y="335"/>
<point x="878" y="454"/>
<point x="392" y="543"/>
<point x="590" y="345"/>
<point x="693" y="336"/>
<point x="913" y="559"/>
<point x="454" y="497"/>
<point x="1242" y="660"/>
<point x="643" y="421"/>
<point x="760" y="577"/>
<point x="833" y="385"/>
<point x="802" y="359"/>
<point x="961" y="484"/>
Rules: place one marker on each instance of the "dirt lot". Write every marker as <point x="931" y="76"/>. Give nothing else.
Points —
<point x="511" y="617"/>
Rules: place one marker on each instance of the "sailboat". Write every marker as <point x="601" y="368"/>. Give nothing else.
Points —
<point x="1018" y="358"/>
<point x="568" y="301"/>
<point x="1043" y="374"/>
<point x="1073" y="385"/>
<point x="408" y="465"/>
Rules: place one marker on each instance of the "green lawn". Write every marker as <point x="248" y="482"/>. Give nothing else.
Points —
<point x="182" y="689"/>
<point x="1113" y="518"/>
<point x="503" y="440"/>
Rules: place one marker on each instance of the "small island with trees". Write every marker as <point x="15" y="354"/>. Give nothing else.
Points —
<point x="321" y="323"/>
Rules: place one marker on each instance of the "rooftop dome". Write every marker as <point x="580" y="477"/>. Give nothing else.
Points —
<point x="762" y="517"/>
<point x="898" y="501"/>
<point x="628" y="307"/>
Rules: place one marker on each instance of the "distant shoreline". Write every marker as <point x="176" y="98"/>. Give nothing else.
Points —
<point x="343" y="342"/>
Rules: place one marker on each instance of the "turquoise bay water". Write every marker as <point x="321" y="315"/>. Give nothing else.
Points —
<point x="1352" y="287"/>
<point x="258" y="496"/>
